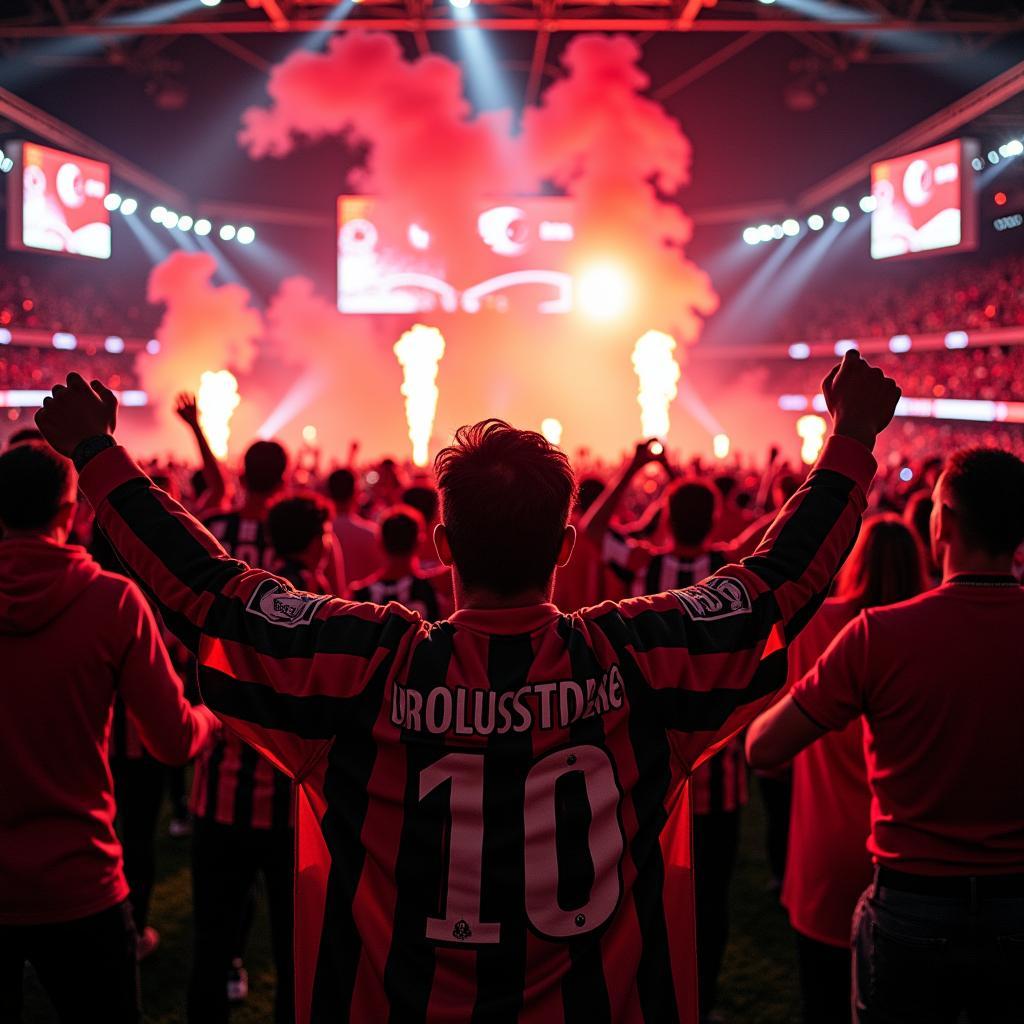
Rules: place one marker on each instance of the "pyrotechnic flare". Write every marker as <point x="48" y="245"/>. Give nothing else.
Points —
<point x="721" y="445"/>
<point x="419" y="352"/>
<point x="217" y="400"/>
<point x="811" y="431"/>
<point x="658" y="373"/>
<point x="552" y="430"/>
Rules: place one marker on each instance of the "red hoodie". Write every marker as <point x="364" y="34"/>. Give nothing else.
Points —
<point x="70" y="636"/>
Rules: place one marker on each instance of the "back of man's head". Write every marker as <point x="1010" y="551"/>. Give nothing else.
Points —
<point x="505" y="501"/>
<point x="985" y="487"/>
<point x="341" y="486"/>
<point x="294" y="523"/>
<point x="23" y="435"/>
<point x="692" y="505"/>
<point x="424" y="499"/>
<point x="265" y="465"/>
<point x="35" y="485"/>
<point x="400" y="531"/>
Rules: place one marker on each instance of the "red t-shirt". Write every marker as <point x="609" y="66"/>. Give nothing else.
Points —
<point x="939" y="682"/>
<point x="827" y="864"/>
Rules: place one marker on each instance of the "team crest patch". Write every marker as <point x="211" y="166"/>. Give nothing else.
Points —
<point x="281" y="607"/>
<point x="718" y="597"/>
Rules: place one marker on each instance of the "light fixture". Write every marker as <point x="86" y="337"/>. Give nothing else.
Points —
<point x="157" y="214"/>
<point x="815" y="222"/>
<point x="129" y="206"/>
<point x="840" y="214"/>
<point x="202" y="226"/>
<point x="111" y="201"/>
<point x="750" y="236"/>
<point x="245" y="235"/>
<point x="867" y="204"/>
<point x="790" y="227"/>
<point x="227" y="232"/>
<point x="185" y="222"/>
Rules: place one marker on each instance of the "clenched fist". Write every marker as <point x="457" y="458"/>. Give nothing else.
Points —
<point x="75" y="412"/>
<point x="860" y="398"/>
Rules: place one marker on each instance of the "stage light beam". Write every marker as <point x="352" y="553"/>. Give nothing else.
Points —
<point x="419" y="353"/>
<point x="603" y="292"/>
<point x="658" y="374"/>
<point x="217" y="400"/>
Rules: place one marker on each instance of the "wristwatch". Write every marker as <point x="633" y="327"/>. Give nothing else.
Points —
<point x="85" y="451"/>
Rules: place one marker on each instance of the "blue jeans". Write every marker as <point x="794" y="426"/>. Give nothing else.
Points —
<point x="925" y="959"/>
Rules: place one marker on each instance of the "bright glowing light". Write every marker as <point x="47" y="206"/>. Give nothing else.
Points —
<point x="844" y="346"/>
<point x="815" y="222"/>
<point x="656" y="448"/>
<point x="5" y="336"/>
<point x="790" y="227"/>
<point x="978" y="164"/>
<point x="152" y="346"/>
<point x="170" y="219"/>
<point x="227" y="232"/>
<point x="419" y="352"/>
<point x="906" y="474"/>
<point x="750" y="236"/>
<point x="840" y="214"/>
<point x="202" y="226"/>
<point x="811" y="431"/>
<point x="658" y="373"/>
<point x="112" y="201"/>
<point x="720" y="445"/>
<point x="157" y="214"/>
<point x="1011" y="148"/>
<point x="993" y="156"/>
<point x="185" y="222"/>
<point x="799" y="350"/>
<point x="552" y="430"/>
<point x="956" y="339"/>
<point x="246" y="235"/>
<point x="210" y="3"/>
<point x="867" y="204"/>
<point x="419" y="238"/>
<point x="764" y="232"/>
<point x="900" y="343"/>
<point x="6" y="165"/>
<point x="129" y="206"/>
<point x="603" y="291"/>
<point x="309" y="434"/>
<point x="1000" y="198"/>
<point x="217" y="400"/>
<point x="65" y="341"/>
<point x="460" y="5"/>
<point x="777" y="231"/>
<point x="114" y="344"/>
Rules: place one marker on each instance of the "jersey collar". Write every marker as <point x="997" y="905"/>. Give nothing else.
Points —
<point x="995" y="579"/>
<point x="506" y="621"/>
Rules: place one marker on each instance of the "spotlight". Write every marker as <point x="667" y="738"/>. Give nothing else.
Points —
<point x="777" y="231"/>
<point x="114" y="344"/>
<point x="6" y="165"/>
<point x="112" y="201"/>
<point x="764" y="232"/>
<point x="978" y="164"/>
<point x="790" y="227"/>
<point x="844" y="345"/>
<point x="906" y="474"/>
<point x="185" y="222"/>
<point x="1000" y="198"/>
<point x="246" y="235"/>
<point x="956" y="339"/>
<point x="170" y="219"/>
<point x="152" y="346"/>
<point x="227" y="232"/>
<point x="1011" y="148"/>
<point x="157" y="214"/>
<point x="603" y="291"/>
<point x="993" y="156"/>
<point x="815" y="222"/>
<point x="799" y="350"/>
<point x="64" y="340"/>
<point x="867" y="204"/>
<point x="767" y="3"/>
<point x="750" y="236"/>
<point x="203" y="226"/>
<point x="210" y="3"/>
<point x="900" y="343"/>
<point x="129" y="206"/>
<point x="841" y="214"/>
<point x="720" y="445"/>
<point x="460" y="5"/>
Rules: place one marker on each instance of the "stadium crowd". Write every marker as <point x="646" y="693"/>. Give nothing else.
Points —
<point x="890" y="773"/>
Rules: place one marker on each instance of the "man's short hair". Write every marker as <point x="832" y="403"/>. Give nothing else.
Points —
<point x="424" y="499"/>
<point x="400" y="531"/>
<point x="265" y="465"/>
<point x="591" y="488"/>
<point x="692" y="505"/>
<point x="341" y="486"/>
<point x="505" y="501"/>
<point x="987" y="488"/>
<point x="34" y="483"/>
<point x="294" y="523"/>
<point x="23" y="435"/>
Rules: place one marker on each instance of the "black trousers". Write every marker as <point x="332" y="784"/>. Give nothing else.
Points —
<point x="716" y="840"/>
<point x="227" y="860"/>
<point x="824" y="981"/>
<point x="87" y="967"/>
<point x="776" y="795"/>
<point x="139" y="792"/>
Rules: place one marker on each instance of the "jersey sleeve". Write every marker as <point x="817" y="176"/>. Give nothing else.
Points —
<point x="709" y="658"/>
<point x="831" y="694"/>
<point x="287" y="670"/>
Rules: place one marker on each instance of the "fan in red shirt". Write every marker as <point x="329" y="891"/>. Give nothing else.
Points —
<point x="492" y="811"/>
<point x="938" y="681"/>
<point x="827" y="864"/>
<point x="71" y="638"/>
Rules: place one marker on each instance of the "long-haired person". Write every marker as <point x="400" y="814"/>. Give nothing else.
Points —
<point x="828" y="865"/>
<point x="491" y="814"/>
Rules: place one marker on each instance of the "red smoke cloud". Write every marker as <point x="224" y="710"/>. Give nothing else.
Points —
<point x="594" y="136"/>
<point x="205" y="327"/>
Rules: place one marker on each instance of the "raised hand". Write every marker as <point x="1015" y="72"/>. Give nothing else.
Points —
<point x="860" y="398"/>
<point x="646" y="452"/>
<point x="76" y="411"/>
<point x="185" y="406"/>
